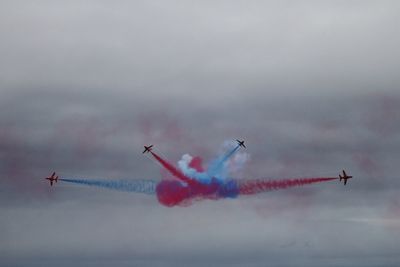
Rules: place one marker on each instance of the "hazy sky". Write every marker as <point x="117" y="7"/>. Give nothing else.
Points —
<point x="312" y="86"/>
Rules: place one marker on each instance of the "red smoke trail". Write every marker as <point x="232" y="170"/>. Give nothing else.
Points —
<point x="251" y="187"/>
<point x="171" y="168"/>
<point x="197" y="164"/>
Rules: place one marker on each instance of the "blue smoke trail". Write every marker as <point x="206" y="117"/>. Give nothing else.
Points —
<point x="216" y="168"/>
<point x="138" y="186"/>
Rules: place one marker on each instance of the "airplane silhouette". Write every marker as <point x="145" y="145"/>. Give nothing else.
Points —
<point x="147" y="149"/>
<point x="241" y="143"/>
<point x="52" y="178"/>
<point x="344" y="177"/>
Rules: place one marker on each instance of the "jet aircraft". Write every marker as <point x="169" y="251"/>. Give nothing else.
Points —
<point x="52" y="178"/>
<point x="147" y="149"/>
<point x="344" y="177"/>
<point x="240" y="143"/>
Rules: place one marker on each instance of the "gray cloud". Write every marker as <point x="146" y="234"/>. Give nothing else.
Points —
<point x="312" y="87"/>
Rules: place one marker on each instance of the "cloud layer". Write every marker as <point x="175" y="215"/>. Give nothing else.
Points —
<point x="312" y="87"/>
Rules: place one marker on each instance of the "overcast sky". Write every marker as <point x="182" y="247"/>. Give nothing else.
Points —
<point x="312" y="86"/>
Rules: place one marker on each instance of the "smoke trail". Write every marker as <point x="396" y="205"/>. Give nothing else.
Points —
<point x="191" y="167"/>
<point x="250" y="187"/>
<point x="138" y="186"/>
<point x="216" y="168"/>
<point x="171" y="168"/>
<point x="229" y="154"/>
<point x="195" y="183"/>
<point x="173" y="193"/>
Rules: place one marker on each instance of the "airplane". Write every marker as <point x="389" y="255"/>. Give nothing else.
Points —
<point x="240" y="143"/>
<point x="147" y="149"/>
<point x="52" y="178"/>
<point x="344" y="177"/>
